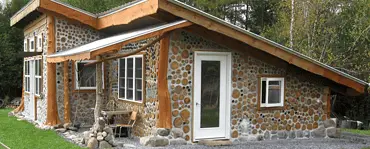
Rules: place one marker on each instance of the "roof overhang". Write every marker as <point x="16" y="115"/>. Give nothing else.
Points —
<point x="143" y="8"/>
<point x="135" y="10"/>
<point x="212" y="23"/>
<point x="90" y="50"/>
<point x="30" y="9"/>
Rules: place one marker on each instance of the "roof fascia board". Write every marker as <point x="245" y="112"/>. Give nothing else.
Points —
<point x="68" y="12"/>
<point x="128" y="14"/>
<point x="24" y="11"/>
<point x="289" y="55"/>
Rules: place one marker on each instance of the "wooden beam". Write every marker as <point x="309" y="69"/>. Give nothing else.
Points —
<point x="30" y="7"/>
<point x="165" y="117"/>
<point x="67" y="105"/>
<point x="259" y="44"/>
<point x="68" y="12"/>
<point x="52" y="117"/>
<point x="129" y="53"/>
<point x="99" y="90"/>
<point x="125" y="16"/>
<point x="327" y="97"/>
<point x="146" y="36"/>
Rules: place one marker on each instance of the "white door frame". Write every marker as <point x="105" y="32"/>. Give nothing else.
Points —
<point x="32" y="88"/>
<point x="212" y="133"/>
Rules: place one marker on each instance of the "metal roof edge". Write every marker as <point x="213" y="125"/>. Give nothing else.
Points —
<point x="181" y="4"/>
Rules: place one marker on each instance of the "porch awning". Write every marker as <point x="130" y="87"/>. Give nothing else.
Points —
<point x="116" y="42"/>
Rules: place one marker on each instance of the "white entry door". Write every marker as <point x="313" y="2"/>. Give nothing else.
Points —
<point x="212" y="76"/>
<point x="31" y="105"/>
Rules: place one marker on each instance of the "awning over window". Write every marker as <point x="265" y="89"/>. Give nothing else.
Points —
<point x="116" y="42"/>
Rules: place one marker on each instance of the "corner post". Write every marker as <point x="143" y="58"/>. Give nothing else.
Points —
<point x="52" y="117"/>
<point x="99" y="89"/>
<point x="327" y="97"/>
<point x="67" y="105"/>
<point x="165" y="117"/>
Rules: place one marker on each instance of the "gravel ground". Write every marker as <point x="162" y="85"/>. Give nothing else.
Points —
<point x="276" y="144"/>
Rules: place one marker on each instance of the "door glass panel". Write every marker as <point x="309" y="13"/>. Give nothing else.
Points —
<point x="210" y="94"/>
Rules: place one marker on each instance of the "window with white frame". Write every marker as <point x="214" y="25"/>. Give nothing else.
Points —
<point x="272" y="92"/>
<point x="38" y="71"/>
<point x="25" y="46"/>
<point x="39" y="43"/>
<point x="85" y="76"/>
<point x="27" y="76"/>
<point x="130" y="78"/>
<point x="32" y="44"/>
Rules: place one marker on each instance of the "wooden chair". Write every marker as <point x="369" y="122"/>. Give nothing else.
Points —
<point x="128" y="126"/>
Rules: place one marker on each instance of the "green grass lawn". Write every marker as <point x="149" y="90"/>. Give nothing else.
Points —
<point x="356" y="131"/>
<point x="21" y="134"/>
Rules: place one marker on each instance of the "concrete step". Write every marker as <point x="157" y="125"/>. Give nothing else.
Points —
<point x="214" y="142"/>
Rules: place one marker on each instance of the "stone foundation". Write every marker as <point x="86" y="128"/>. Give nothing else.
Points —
<point x="326" y="130"/>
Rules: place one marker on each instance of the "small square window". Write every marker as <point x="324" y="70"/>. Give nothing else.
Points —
<point x="271" y="92"/>
<point x="85" y="76"/>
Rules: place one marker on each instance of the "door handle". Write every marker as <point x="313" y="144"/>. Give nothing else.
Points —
<point x="197" y="104"/>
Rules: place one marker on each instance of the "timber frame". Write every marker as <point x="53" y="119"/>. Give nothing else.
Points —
<point x="178" y="9"/>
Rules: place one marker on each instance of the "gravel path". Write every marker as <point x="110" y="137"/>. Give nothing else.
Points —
<point x="275" y="144"/>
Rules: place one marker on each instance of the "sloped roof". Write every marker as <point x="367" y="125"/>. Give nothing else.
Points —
<point x="141" y="8"/>
<point x="84" y="51"/>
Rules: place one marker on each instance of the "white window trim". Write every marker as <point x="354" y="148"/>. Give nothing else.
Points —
<point x="27" y="76"/>
<point x="267" y="79"/>
<point x="32" y="48"/>
<point x="25" y="48"/>
<point x="134" y="79"/>
<point x="39" y="43"/>
<point x="76" y="76"/>
<point x="38" y="76"/>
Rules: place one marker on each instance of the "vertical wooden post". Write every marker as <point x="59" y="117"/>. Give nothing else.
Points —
<point x="165" y="117"/>
<point x="327" y="97"/>
<point x="67" y="106"/>
<point x="99" y="89"/>
<point x="52" y="117"/>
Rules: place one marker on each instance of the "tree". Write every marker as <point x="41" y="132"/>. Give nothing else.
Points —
<point x="10" y="63"/>
<point x="335" y="32"/>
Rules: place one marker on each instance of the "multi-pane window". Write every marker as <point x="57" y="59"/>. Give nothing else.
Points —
<point x="38" y="74"/>
<point x="32" y="76"/>
<point x="27" y="76"/>
<point x="85" y="76"/>
<point x="272" y="92"/>
<point x="130" y="81"/>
